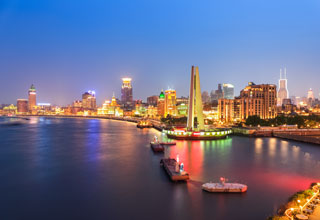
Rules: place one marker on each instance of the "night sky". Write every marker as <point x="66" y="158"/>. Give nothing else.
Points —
<point x="66" y="47"/>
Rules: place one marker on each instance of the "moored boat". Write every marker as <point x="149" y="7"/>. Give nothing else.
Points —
<point x="225" y="187"/>
<point x="156" y="146"/>
<point x="144" y="124"/>
<point x="168" y="143"/>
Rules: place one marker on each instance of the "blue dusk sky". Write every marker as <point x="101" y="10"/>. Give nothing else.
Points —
<point x="66" y="47"/>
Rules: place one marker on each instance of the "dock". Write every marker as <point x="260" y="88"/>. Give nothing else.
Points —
<point x="169" y="165"/>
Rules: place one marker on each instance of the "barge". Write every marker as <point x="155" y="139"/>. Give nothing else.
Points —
<point x="224" y="187"/>
<point x="174" y="169"/>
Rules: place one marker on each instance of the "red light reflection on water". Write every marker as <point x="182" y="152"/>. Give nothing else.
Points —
<point x="284" y="181"/>
<point x="190" y="154"/>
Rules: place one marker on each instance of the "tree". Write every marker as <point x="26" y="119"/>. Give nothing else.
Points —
<point x="253" y="120"/>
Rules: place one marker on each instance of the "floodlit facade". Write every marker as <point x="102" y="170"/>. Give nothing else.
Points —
<point x="259" y="100"/>
<point x="22" y="106"/>
<point x="110" y="108"/>
<point x="170" y="102"/>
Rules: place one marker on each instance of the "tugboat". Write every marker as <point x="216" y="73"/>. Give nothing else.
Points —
<point x="156" y="146"/>
<point x="224" y="187"/>
<point x="144" y="124"/>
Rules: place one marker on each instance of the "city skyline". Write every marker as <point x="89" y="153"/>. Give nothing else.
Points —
<point x="67" y="52"/>
<point x="108" y="97"/>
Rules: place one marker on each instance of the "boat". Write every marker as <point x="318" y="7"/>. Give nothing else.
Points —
<point x="224" y="187"/>
<point x="174" y="169"/>
<point x="156" y="146"/>
<point x="168" y="143"/>
<point x="144" y="124"/>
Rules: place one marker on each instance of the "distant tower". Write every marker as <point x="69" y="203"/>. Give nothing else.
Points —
<point x="32" y="97"/>
<point x="195" y="101"/>
<point x="283" y="90"/>
<point x="126" y="92"/>
<point x="310" y="94"/>
<point x="228" y="91"/>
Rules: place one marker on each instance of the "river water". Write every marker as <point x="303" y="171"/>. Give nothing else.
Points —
<point x="71" y="168"/>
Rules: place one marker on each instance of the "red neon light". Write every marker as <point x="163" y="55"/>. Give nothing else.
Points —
<point x="196" y="133"/>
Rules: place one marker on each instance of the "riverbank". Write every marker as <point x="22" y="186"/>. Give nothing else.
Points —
<point x="302" y="205"/>
<point x="311" y="136"/>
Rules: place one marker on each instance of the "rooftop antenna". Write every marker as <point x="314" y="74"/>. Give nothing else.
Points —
<point x="285" y="73"/>
<point x="280" y="73"/>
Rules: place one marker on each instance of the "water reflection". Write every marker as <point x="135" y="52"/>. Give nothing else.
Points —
<point x="109" y="167"/>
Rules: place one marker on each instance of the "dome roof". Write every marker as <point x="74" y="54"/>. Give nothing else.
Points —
<point x="161" y="96"/>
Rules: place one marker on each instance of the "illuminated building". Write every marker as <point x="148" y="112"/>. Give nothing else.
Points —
<point x="228" y="91"/>
<point x="225" y="109"/>
<point x="258" y="100"/>
<point x="140" y="109"/>
<point x="22" y="106"/>
<point x="32" y="98"/>
<point x="152" y="111"/>
<point x="152" y="100"/>
<point x="10" y="110"/>
<point x="170" y="102"/>
<point x="77" y="104"/>
<point x="110" y="108"/>
<point x="310" y="94"/>
<point x="229" y="110"/>
<point x="126" y="92"/>
<point x="283" y="90"/>
<point x="160" y="106"/>
<point x="182" y="109"/>
<point x="89" y="100"/>
<point x="44" y="108"/>
<point x="76" y="108"/>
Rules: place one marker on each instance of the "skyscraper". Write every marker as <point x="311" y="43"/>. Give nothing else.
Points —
<point x="170" y="102"/>
<point x="32" y="97"/>
<point x="283" y="90"/>
<point x="126" y="92"/>
<point x="89" y="100"/>
<point x="228" y="91"/>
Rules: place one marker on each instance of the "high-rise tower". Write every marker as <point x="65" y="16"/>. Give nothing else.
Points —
<point x="32" y="97"/>
<point x="195" y="101"/>
<point x="283" y="90"/>
<point x="126" y="92"/>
